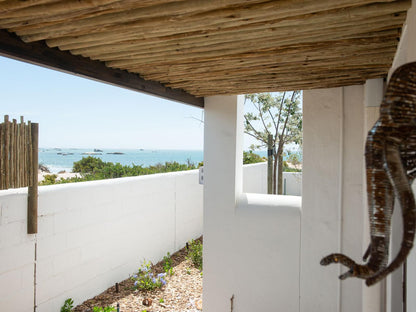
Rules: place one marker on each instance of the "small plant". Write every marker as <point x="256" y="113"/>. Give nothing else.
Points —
<point x="105" y="309"/>
<point x="145" y="278"/>
<point x="161" y="300"/>
<point x="49" y="179"/>
<point x="167" y="264"/>
<point x="68" y="305"/>
<point x="195" y="253"/>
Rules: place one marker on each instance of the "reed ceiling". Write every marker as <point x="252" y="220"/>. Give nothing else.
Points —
<point x="212" y="47"/>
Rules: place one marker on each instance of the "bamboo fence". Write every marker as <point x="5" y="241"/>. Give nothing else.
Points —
<point x="19" y="162"/>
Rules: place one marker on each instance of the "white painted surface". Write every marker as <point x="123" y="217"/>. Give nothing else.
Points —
<point x="94" y="234"/>
<point x="251" y="241"/>
<point x="17" y="250"/>
<point x="332" y="196"/>
<point x="406" y="53"/>
<point x="266" y="253"/>
<point x="373" y="297"/>
<point x="255" y="180"/>
<point x="223" y="162"/>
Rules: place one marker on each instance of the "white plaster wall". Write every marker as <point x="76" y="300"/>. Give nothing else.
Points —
<point x="17" y="250"/>
<point x="266" y="253"/>
<point x="292" y="183"/>
<point x="406" y="53"/>
<point x="251" y="241"/>
<point x="94" y="234"/>
<point x="332" y="196"/>
<point x="255" y="180"/>
<point x="223" y="133"/>
<point x="373" y="297"/>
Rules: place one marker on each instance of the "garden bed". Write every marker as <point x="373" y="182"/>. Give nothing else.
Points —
<point x="182" y="292"/>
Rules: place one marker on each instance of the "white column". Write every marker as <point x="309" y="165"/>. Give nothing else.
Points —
<point x="373" y="297"/>
<point x="322" y="130"/>
<point x="223" y="150"/>
<point x="332" y="196"/>
<point x="406" y="53"/>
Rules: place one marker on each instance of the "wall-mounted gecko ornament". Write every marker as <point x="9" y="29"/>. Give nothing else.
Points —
<point x="390" y="157"/>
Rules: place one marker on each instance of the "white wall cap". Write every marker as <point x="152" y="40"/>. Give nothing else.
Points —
<point x="276" y="202"/>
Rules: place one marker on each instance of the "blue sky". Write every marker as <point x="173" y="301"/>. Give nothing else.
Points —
<point x="78" y="112"/>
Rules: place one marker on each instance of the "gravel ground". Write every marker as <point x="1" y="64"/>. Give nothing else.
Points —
<point x="182" y="292"/>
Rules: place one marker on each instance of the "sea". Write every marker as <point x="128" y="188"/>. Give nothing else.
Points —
<point x="62" y="159"/>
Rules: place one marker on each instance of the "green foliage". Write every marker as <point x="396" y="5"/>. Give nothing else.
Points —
<point x="286" y="168"/>
<point x="195" y="253"/>
<point x="49" y="179"/>
<point x="146" y="279"/>
<point x="88" y="165"/>
<point x="93" y="168"/>
<point x="167" y="264"/>
<point x="251" y="158"/>
<point x="68" y="305"/>
<point x="105" y="309"/>
<point x="161" y="300"/>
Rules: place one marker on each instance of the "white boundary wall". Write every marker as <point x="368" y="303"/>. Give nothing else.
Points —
<point x="93" y="234"/>
<point x="255" y="180"/>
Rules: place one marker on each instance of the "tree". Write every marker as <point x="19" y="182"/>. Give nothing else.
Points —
<point x="278" y="116"/>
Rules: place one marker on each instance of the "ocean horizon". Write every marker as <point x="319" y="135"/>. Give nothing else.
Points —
<point x="62" y="159"/>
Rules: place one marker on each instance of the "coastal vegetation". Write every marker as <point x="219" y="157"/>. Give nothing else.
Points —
<point x="93" y="168"/>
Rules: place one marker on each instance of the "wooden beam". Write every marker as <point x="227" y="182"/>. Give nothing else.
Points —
<point x="40" y="54"/>
<point x="32" y="198"/>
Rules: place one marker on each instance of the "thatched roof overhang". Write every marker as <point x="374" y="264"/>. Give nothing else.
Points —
<point x="185" y="50"/>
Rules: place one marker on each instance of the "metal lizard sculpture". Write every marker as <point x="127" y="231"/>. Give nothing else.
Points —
<point x="390" y="156"/>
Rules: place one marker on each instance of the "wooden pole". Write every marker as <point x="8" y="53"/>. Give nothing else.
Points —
<point x="32" y="207"/>
<point x="6" y="151"/>
<point x="270" y="164"/>
<point x="2" y="184"/>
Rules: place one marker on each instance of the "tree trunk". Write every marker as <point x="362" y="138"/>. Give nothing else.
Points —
<point x="270" y="164"/>
<point x="280" y="175"/>
<point x="274" y="172"/>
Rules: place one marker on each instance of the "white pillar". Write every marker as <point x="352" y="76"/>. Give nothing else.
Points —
<point x="332" y="196"/>
<point x="406" y="53"/>
<point x="373" y="297"/>
<point x="223" y="150"/>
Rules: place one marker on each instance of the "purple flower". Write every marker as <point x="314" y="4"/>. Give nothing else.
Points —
<point x="154" y="280"/>
<point x="161" y="275"/>
<point x="135" y="276"/>
<point x="135" y="283"/>
<point x="163" y="281"/>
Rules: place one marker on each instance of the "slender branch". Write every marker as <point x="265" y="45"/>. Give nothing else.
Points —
<point x="262" y="120"/>
<point x="260" y="138"/>
<point x="278" y="119"/>
<point x="274" y="121"/>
